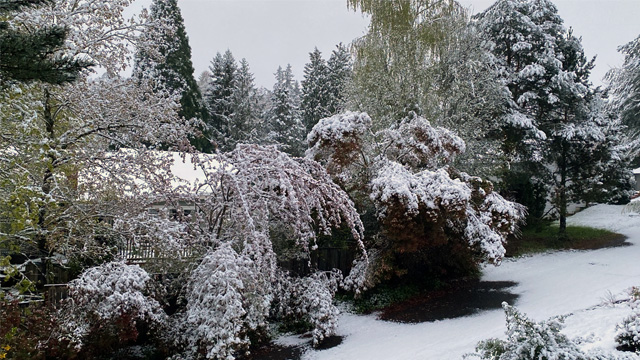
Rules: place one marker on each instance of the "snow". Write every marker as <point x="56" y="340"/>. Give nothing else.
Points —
<point x="579" y="284"/>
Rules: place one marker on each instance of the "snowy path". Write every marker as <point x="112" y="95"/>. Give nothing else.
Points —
<point x="548" y="284"/>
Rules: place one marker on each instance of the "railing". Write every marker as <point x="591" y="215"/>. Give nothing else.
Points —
<point x="141" y="252"/>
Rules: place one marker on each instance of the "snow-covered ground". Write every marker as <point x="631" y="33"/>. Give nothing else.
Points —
<point x="575" y="283"/>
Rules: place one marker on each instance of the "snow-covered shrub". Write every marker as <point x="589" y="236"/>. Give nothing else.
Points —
<point x="530" y="340"/>
<point x="310" y="299"/>
<point x="628" y="332"/>
<point x="429" y="218"/>
<point x="109" y="303"/>
<point x="228" y="299"/>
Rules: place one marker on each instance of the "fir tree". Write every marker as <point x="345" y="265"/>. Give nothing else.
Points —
<point x="174" y="68"/>
<point x="243" y="127"/>
<point x="339" y="74"/>
<point x="31" y="55"/>
<point x="315" y="90"/>
<point x="285" y="125"/>
<point x="625" y="85"/>
<point x="219" y="96"/>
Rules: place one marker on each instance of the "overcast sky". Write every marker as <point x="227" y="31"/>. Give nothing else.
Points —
<point x="272" y="33"/>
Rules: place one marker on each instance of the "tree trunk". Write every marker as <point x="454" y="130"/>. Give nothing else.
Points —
<point x="42" y="234"/>
<point x="562" y="203"/>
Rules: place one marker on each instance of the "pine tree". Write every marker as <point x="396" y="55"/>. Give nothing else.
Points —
<point x="28" y="56"/>
<point x="315" y="90"/>
<point x="173" y="65"/>
<point x="285" y="125"/>
<point x="219" y="96"/>
<point x="203" y="81"/>
<point x="547" y="127"/>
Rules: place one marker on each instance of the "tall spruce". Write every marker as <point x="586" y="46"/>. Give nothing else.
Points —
<point x="315" y="90"/>
<point x="219" y="96"/>
<point x="173" y="66"/>
<point x="340" y="70"/>
<point x="244" y="125"/>
<point x="285" y="126"/>
<point x="33" y="55"/>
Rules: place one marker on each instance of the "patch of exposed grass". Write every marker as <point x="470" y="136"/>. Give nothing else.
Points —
<point x="381" y="297"/>
<point x="546" y="237"/>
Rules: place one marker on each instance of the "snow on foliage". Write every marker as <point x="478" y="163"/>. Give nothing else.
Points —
<point x="310" y="299"/>
<point x="106" y="295"/>
<point x="628" y="332"/>
<point x="625" y="84"/>
<point x="403" y="171"/>
<point x="254" y="185"/>
<point x="98" y="31"/>
<point x="58" y="132"/>
<point x="245" y="194"/>
<point x="432" y="191"/>
<point x="414" y="142"/>
<point x="227" y="298"/>
<point x="529" y="340"/>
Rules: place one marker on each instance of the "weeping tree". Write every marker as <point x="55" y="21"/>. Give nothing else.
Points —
<point x="425" y="57"/>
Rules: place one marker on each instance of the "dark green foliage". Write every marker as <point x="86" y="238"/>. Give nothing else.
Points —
<point x="324" y="85"/>
<point x="33" y="56"/>
<point x="340" y="72"/>
<point x="519" y="186"/>
<point x="285" y="125"/>
<point x="545" y="237"/>
<point x="219" y="96"/>
<point x="315" y="92"/>
<point x="173" y="65"/>
<point x="556" y="135"/>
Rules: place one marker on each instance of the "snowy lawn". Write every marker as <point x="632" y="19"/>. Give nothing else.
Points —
<point x="575" y="283"/>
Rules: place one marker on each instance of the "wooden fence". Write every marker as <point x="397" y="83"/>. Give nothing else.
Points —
<point x="325" y="258"/>
<point x="55" y="293"/>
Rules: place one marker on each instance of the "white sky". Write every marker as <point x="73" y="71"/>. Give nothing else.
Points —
<point x="272" y="33"/>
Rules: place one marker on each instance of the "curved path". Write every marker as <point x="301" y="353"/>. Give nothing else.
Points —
<point x="574" y="283"/>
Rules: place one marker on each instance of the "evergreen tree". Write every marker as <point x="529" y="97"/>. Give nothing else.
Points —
<point x="219" y="96"/>
<point x="339" y="74"/>
<point x="203" y="81"/>
<point x="547" y="128"/>
<point x="315" y="90"/>
<point x="243" y="127"/>
<point x="31" y="55"/>
<point x="174" y="69"/>
<point x="625" y="85"/>
<point x="285" y="125"/>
